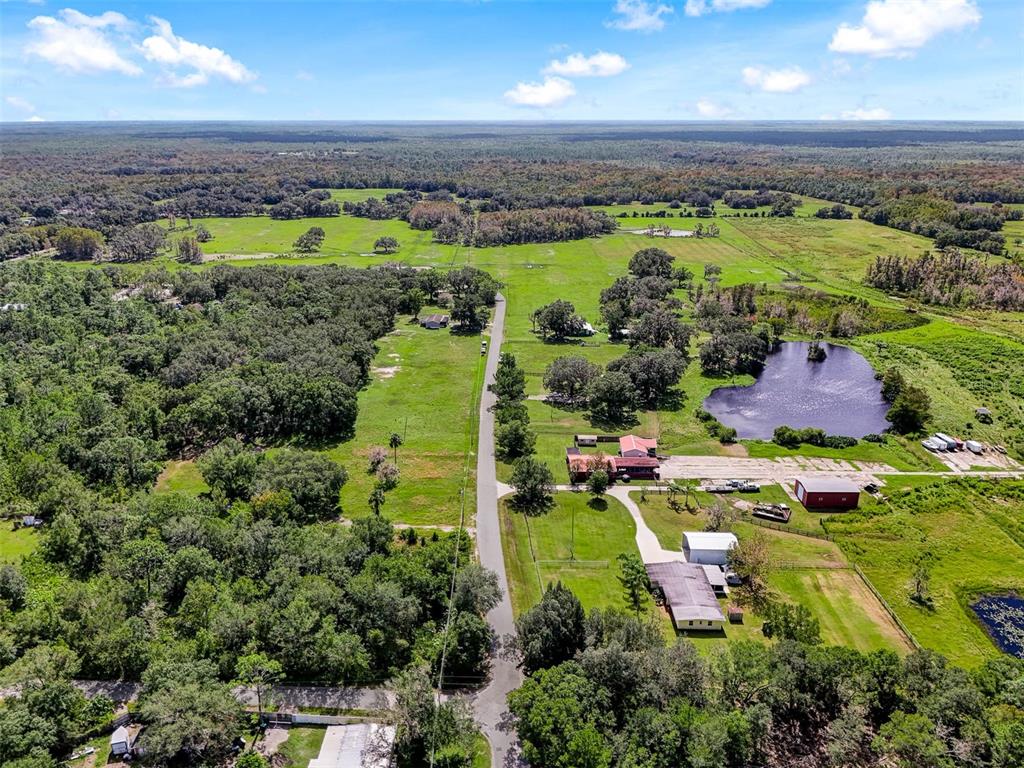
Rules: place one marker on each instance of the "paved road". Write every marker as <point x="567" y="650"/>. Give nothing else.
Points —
<point x="489" y="704"/>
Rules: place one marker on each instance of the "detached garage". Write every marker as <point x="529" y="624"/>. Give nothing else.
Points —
<point x="706" y="548"/>
<point x="827" y="492"/>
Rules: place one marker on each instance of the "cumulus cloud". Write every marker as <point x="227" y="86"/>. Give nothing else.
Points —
<point x="711" y="110"/>
<point x="700" y="7"/>
<point x="79" y="43"/>
<point x="776" y="80"/>
<point x="866" y="113"/>
<point x="36" y="119"/>
<point x="600" y="64"/>
<point x="899" y="27"/>
<point x="640" y="15"/>
<point x="174" y="53"/>
<point x="22" y="105"/>
<point x="553" y="92"/>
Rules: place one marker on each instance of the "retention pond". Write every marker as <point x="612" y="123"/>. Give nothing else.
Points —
<point x="840" y="395"/>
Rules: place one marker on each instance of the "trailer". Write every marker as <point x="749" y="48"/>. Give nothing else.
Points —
<point x="975" y="447"/>
<point x="949" y="441"/>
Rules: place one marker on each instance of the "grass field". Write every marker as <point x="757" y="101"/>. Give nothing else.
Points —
<point x="538" y="550"/>
<point x="303" y="745"/>
<point x="16" y="543"/>
<point x="425" y="387"/>
<point x="974" y="532"/>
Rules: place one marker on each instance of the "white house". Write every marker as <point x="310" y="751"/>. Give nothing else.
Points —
<point x="708" y="548"/>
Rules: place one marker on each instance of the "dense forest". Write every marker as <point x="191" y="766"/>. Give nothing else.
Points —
<point x="107" y="372"/>
<point x="950" y="279"/>
<point x="119" y="177"/>
<point x="604" y="690"/>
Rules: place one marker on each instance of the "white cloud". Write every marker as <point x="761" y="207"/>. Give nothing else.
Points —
<point x="304" y="75"/>
<point x="866" y="113"/>
<point x="776" y="80"/>
<point x="36" y="119"/>
<point x="79" y="43"/>
<point x="711" y="110"/>
<point x="172" y="51"/>
<point x="22" y="105"/>
<point x="553" y="92"/>
<point x="899" y="27"/>
<point x="600" y="64"/>
<point x="640" y="15"/>
<point x="700" y="7"/>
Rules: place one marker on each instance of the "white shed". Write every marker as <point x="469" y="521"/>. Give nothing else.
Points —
<point x="708" y="548"/>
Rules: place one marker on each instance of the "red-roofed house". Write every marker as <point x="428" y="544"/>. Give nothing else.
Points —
<point x="631" y="445"/>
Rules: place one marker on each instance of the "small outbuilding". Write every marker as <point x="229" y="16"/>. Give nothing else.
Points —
<point x="708" y="548"/>
<point x="689" y="598"/>
<point x="586" y="441"/>
<point x="435" y="321"/>
<point x="835" y="493"/>
<point x="123" y="740"/>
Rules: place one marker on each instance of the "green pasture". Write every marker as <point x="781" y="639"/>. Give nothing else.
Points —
<point x="303" y="745"/>
<point x="973" y="532"/>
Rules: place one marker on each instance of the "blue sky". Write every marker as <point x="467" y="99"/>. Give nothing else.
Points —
<point x="504" y="60"/>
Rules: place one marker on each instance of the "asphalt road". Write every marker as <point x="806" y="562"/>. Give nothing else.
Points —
<point x="489" y="704"/>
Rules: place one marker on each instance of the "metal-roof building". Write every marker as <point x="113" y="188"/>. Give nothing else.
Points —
<point x="708" y="548"/>
<point x="827" y="492"/>
<point x="689" y="598"/>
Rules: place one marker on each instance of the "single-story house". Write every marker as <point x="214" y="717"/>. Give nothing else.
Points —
<point x="435" y="321"/>
<point x="636" y="466"/>
<point x="631" y="445"/>
<point x="827" y="492"/>
<point x="708" y="548"/>
<point x="580" y="464"/>
<point x="689" y="597"/>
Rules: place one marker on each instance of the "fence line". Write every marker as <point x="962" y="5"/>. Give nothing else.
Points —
<point x="888" y="608"/>
<point x="784" y="529"/>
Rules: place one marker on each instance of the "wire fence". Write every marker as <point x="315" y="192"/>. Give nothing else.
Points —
<point x="888" y="608"/>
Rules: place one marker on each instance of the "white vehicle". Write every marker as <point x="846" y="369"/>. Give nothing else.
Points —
<point x="974" y="447"/>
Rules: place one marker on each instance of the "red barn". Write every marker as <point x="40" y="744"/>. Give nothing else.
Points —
<point x="827" y="492"/>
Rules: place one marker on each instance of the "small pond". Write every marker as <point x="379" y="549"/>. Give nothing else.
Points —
<point x="839" y="395"/>
<point x="1003" y="617"/>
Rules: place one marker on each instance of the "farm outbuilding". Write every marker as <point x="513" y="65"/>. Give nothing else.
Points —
<point x="587" y="441"/>
<point x="689" y="598"/>
<point x="827" y="492"/>
<point x="706" y="548"/>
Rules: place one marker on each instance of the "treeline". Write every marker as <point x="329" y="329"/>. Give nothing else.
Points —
<point x="950" y="225"/>
<point x="605" y="690"/>
<point x="950" y="279"/>
<point x="109" y="177"/>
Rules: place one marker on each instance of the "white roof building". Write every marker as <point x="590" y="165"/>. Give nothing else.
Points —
<point x="708" y="548"/>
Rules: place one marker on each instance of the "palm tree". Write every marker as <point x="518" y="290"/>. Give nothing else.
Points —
<point x="376" y="499"/>
<point x="394" y="441"/>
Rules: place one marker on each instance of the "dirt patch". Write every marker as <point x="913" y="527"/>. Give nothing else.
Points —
<point x="736" y="449"/>
<point x="386" y="372"/>
<point x="272" y="741"/>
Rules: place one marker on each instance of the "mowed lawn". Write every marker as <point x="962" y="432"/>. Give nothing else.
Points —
<point x="425" y="386"/>
<point x="538" y="551"/>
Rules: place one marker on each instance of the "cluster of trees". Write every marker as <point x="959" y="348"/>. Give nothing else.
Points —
<point x="782" y="203"/>
<point x="911" y="406"/>
<point x="837" y="211"/>
<point x="395" y="205"/>
<point x="949" y="224"/>
<point x="472" y="292"/>
<point x="950" y="279"/>
<point x="647" y="289"/>
<point x="603" y="690"/>
<point x="314" y="203"/>
<point x="737" y="344"/>
<point x="559" y="319"/>
<point x="310" y="240"/>
<point x="513" y="438"/>
<point x="788" y="437"/>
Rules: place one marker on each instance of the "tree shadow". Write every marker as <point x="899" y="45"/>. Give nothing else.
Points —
<point x="598" y="504"/>
<point x="607" y="425"/>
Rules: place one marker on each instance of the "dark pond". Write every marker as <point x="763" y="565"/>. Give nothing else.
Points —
<point x="839" y="395"/>
<point x="1003" y="617"/>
